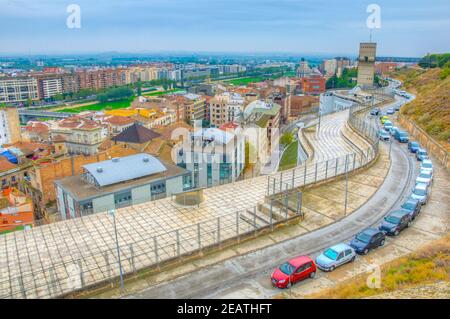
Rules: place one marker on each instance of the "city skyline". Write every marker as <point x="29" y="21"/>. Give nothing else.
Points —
<point x="222" y="26"/>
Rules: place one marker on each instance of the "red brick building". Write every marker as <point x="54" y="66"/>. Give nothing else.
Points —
<point x="313" y="84"/>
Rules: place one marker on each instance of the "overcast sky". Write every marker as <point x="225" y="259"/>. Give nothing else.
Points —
<point x="408" y="27"/>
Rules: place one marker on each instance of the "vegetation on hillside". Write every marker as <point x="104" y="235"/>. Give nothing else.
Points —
<point x="441" y="61"/>
<point x="431" y="108"/>
<point x="428" y="265"/>
<point x="290" y="156"/>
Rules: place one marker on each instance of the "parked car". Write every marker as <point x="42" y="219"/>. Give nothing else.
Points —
<point x="383" y="135"/>
<point x="390" y="111"/>
<point x="413" y="146"/>
<point x="425" y="177"/>
<point x="293" y="271"/>
<point x="421" y="193"/>
<point x="388" y="125"/>
<point x="412" y="206"/>
<point x="426" y="165"/>
<point x="335" y="256"/>
<point x="367" y="240"/>
<point x="401" y="136"/>
<point x="395" y="222"/>
<point x="375" y="111"/>
<point x="397" y="106"/>
<point x="392" y="130"/>
<point x="421" y="154"/>
<point x="384" y="119"/>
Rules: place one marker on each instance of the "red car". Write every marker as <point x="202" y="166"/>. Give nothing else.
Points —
<point x="293" y="271"/>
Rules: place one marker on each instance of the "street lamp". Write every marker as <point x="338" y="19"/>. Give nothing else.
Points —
<point x="112" y="212"/>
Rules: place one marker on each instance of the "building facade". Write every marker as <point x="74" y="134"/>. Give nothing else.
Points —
<point x="118" y="183"/>
<point x="366" y="64"/>
<point x="18" y="89"/>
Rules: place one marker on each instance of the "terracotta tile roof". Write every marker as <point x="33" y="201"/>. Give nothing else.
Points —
<point x="37" y="127"/>
<point x="118" y="120"/>
<point x="6" y="165"/>
<point x="166" y="131"/>
<point x="137" y="134"/>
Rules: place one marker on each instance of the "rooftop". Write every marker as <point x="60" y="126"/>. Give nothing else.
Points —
<point x="125" y="168"/>
<point x="137" y="134"/>
<point x="80" y="190"/>
<point x="214" y="134"/>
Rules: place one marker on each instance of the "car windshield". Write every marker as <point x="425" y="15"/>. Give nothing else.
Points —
<point x="402" y="134"/>
<point x="422" y="152"/>
<point x="363" y="237"/>
<point x="392" y="219"/>
<point x="420" y="192"/>
<point x="414" y="144"/>
<point x="408" y="206"/>
<point x="424" y="175"/>
<point x="427" y="165"/>
<point x="287" y="268"/>
<point x="330" y="253"/>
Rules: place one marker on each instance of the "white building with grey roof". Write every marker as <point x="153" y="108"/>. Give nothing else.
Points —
<point x="119" y="182"/>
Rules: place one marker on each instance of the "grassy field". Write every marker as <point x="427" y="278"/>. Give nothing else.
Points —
<point x="430" y="110"/>
<point x="428" y="265"/>
<point x="255" y="79"/>
<point x="99" y="106"/>
<point x="161" y="92"/>
<point x="289" y="158"/>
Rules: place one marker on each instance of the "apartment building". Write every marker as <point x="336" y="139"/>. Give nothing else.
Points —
<point x="81" y="135"/>
<point x="313" y="84"/>
<point x="98" y="79"/>
<point x="264" y="114"/>
<point x="194" y="106"/>
<point x="18" y="89"/>
<point x="225" y="107"/>
<point x="213" y="156"/>
<point x="118" y="183"/>
<point x="9" y="125"/>
<point x="329" y="67"/>
<point x="49" y="86"/>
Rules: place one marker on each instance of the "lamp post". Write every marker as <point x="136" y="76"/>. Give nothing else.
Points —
<point x="112" y="212"/>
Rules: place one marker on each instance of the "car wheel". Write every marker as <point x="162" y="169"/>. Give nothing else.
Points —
<point x="366" y="251"/>
<point x="382" y="243"/>
<point x="409" y="224"/>
<point x="332" y="268"/>
<point x="312" y="275"/>
<point x="353" y="259"/>
<point x="396" y="233"/>
<point x="289" y="285"/>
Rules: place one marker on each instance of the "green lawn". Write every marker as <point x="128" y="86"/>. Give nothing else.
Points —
<point x="290" y="155"/>
<point x="122" y="104"/>
<point x="162" y="92"/>
<point x="255" y="79"/>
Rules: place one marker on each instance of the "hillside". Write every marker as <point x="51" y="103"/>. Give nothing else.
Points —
<point x="431" y="108"/>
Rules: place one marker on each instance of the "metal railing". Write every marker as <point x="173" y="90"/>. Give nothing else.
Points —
<point x="99" y="264"/>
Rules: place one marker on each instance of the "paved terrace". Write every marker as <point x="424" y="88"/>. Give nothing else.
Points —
<point x="47" y="261"/>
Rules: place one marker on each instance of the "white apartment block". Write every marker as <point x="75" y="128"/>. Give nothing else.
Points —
<point x="18" y="89"/>
<point x="51" y="87"/>
<point x="213" y="156"/>
<point x="225" y="107"/>
<point x="9" y="126"/>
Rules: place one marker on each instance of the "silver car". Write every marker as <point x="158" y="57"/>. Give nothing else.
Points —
<point x="421" y="193"/>
<point x="425" y="177"/>
<point x="426" y="165"/>
<point x="335" y="256"/>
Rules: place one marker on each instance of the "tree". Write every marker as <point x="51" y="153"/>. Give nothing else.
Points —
<point x="139" y="87"/>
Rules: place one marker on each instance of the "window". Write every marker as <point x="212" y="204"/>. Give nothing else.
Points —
<point x="341" y="255"/>
<point x="348" y="252"/>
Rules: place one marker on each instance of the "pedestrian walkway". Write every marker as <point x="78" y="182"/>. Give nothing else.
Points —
<point x="56" y="259"/>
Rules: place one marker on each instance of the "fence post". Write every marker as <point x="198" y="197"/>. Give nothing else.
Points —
<point x="293" y="178"/>
<point x="132" y="258"/>
<point x="254" y="218"/>
<point x="237" y="225"/>
<point x="326" y="170"/>
<point x="199" y="236"/>
<point x="177" y="235"/>
<point x="336" y="168"/>
<point x="268" y="185"/>
<point x="270" y="214"/>
<point x="80" y="266"/>
<point x="304" y="176"/>
<point x="273" y="186"/>
<point x="22" y="287"/>
<point x="281" y="181"/>
<point x="155" y="244"/>
<point x="286" y="202"/>
<point x="354" y="160"/>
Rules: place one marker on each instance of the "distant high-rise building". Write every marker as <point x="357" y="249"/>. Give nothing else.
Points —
<point x="366" y="64"/>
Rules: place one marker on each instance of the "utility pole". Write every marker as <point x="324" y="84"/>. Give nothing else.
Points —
<point x="112" y="212"/>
